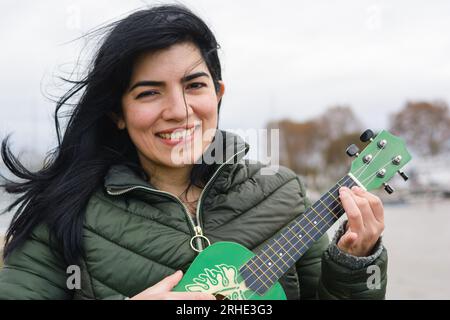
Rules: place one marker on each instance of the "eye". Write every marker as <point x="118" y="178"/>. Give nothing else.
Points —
<point x="196" y="85"/>
<point x="146" y="94"/>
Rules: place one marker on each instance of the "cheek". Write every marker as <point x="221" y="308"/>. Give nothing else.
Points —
<point x="206" y="109"/>
<point x="140" y="118"/>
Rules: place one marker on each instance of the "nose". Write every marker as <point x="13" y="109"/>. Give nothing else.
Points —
<point x="176" y="107"/>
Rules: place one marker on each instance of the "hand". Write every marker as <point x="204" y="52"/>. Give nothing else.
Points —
<point x="365" y="224"/>
<point x="161" y="291"/>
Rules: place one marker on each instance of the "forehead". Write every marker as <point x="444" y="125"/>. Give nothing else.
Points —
<point x="173" y="62"/>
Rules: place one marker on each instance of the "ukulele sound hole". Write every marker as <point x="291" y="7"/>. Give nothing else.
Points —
<point x="220" y="297"/>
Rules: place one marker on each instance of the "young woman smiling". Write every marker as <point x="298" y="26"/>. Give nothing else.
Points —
<point x="128" y="188"/>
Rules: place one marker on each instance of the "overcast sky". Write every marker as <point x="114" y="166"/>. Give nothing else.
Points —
<point x="281" y="59"/>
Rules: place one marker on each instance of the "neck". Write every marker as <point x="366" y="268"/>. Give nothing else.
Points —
<point x="283" y="251"/>
<point x="170" y="179"/>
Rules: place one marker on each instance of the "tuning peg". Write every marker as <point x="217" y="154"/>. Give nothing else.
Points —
<point x="352" y="150"/>
<point x="403" y="175"/>
<point x="367" y="135"/>
<point x="388" y="188"/>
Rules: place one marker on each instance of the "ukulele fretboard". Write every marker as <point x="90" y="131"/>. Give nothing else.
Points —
<point x="281" y="252"/>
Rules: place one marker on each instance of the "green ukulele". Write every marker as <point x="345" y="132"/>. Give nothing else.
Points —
<point x="230" y="271"/>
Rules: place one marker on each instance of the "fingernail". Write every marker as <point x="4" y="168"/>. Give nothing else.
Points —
<point x="356" y="188"/>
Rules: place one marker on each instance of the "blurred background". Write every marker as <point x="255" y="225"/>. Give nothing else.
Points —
<point x="321" y="72"/>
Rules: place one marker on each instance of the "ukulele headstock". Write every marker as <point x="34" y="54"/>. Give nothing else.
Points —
<point x="382" y="158"/>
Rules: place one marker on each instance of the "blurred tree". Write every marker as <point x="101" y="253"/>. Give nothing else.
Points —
<point x="296" y="153"/>
<point x="339" y="121"/>
<point x="316" y="148"/>
<point x="424" y="125"/>
<point x="337" y="161"/>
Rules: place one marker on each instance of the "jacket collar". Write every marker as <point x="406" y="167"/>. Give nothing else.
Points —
<point x="226" y="148"/>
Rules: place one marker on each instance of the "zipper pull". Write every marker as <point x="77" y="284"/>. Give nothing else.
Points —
<point x="199" y="236"/>
<point x="198" y="231"/>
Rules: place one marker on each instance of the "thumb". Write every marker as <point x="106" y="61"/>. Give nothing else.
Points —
<point x="347" y="240"/>
<point x="166" y="284"/>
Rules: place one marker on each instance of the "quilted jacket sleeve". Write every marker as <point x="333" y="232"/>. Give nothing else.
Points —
<point x="322" y="277"/>
<point x="35" y="272"/>
<point x="32" y="271"/>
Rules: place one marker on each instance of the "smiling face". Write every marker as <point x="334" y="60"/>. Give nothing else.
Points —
<point x="170" y="106"/>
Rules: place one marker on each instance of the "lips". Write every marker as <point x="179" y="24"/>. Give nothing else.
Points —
<point x="176" y="129"/>
<point x="177" y="135"/>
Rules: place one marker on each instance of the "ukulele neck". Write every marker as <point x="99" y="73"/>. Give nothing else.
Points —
<point x="281" y="252"/>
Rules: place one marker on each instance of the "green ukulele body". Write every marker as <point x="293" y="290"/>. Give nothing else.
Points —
<point x="216" y="271"/>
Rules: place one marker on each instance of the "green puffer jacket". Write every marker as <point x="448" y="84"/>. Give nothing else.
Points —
<point x="135" y="235"/>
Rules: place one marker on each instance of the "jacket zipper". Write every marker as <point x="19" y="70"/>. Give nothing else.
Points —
<point x="209" y="182"/>
<point x="198" y="231"/>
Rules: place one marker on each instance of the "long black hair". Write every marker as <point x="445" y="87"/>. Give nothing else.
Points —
<point x="57" y="194"/>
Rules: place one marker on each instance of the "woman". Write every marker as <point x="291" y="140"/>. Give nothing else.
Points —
<point x="129" y="197"/>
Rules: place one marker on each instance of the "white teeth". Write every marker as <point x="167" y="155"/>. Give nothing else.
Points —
<point x="177" y="135"/>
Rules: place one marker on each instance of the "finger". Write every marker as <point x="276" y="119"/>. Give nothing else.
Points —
<point x="166" y="284"/>
<point x="365" y="209"/>
<point x="351" y="209"/>
<point x="347" y="240"/>
<point x="372" y="228"/>
<point x="375" y="204"/>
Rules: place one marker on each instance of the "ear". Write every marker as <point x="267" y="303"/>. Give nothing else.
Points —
<point x="221" y="91"/>
<point x="118" y="120"/>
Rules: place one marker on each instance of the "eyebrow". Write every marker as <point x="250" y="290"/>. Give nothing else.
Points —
<point x="152" y="83"/>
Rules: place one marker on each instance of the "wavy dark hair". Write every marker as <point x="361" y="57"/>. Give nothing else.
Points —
<point x="57" y="194"/>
